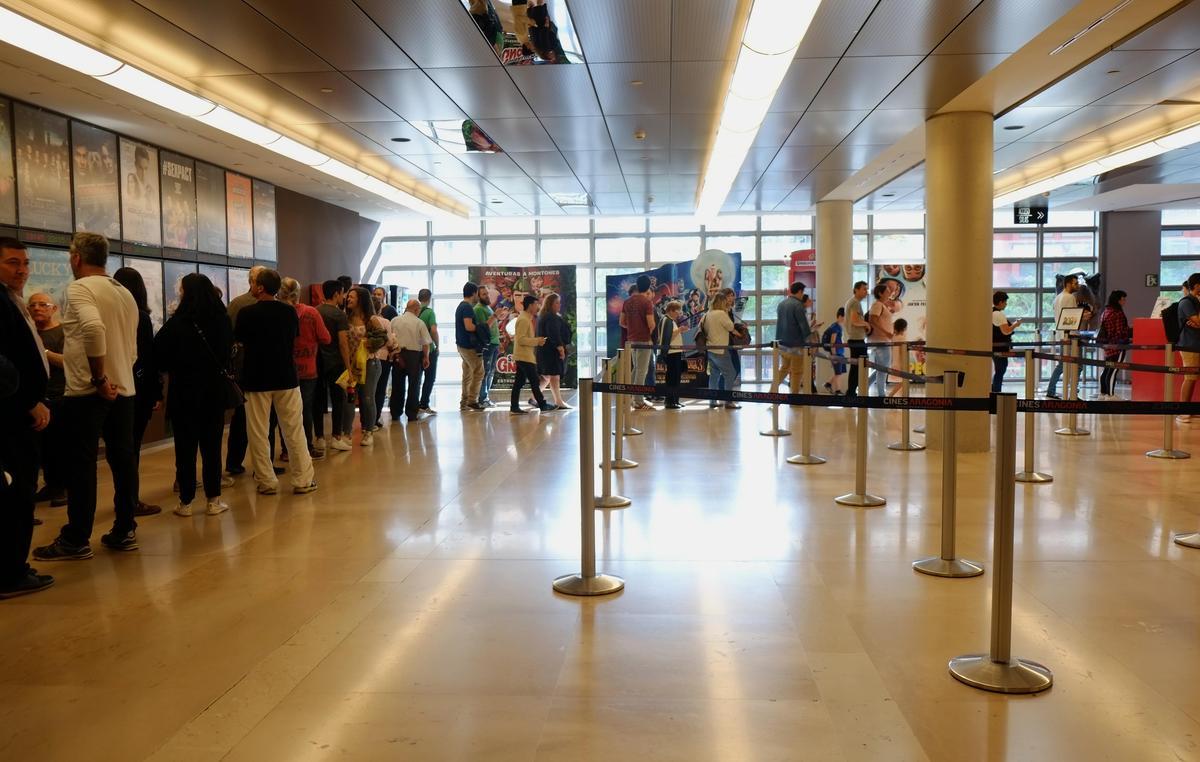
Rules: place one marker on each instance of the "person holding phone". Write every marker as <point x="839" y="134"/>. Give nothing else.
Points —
<point x="1002" y="331"/>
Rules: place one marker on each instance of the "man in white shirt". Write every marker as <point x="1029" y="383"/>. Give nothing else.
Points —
<point x="412" y="343"/>
<point x="100" y="321"/>
<point x="1066" y="298"/>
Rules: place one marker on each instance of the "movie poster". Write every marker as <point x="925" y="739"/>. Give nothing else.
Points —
<point x="210" y="208"/>
<point x="151" y="271"/>
<point x="239" y="282"/>
<point x="506" y="288"/>
<point x="49" y="273"/>
<point x="906" y="298"/>
<point x="693" y="283"/>
<point x="8" y="178"/>
<point x="173" y="274"/>
<point x="265" y="246"/>
<point x="97" y="189"/>
<point x="239" y="216"/>
<point x="219" y="277"/>
<point x="113" y="263"/>
<point x="43" y="169"/>
<point x="141" y="220"/>
<point x="178" y="201"/>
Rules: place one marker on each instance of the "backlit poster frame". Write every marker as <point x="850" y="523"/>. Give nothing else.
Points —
<point x="178" y="188"/>
<point x="219" y="275"/>
<point x="239" y="215"/>
<point x="173" y="273"/>
<point x="8" y="175"/>
<point x="141" y="210"/>
<point x="151" y="271"/>
<point x="95" y="180"/>
<point x="49" y="273"/>
<point x="211" y="235"/>
<point x="43" y="169"/>
<point x="265" y="242"/>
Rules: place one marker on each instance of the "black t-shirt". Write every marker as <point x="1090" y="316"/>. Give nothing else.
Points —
<point x="331" y="353"/>
<point x="267" y="331"/>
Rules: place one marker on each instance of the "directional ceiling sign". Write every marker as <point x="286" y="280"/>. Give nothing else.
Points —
<point x="1031" y="211"/>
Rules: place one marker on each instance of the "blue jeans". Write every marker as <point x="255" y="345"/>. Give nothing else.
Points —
<point x="490" y="353"/>
<point x="721" y="371"/>
<point x="368" y="415"/>
<point x="880" y="356"/>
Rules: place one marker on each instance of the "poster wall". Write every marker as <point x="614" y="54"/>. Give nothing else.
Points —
<point x="906" y="298"/>
<point x="239" y="217"/>
<point x="140" y="211"/>
<point x="43" y="169"/>
<point x="49" y="273"/>
<point x="8" y="178"/>
<point x="219" y="277"/>
<point x="265" y="246"/>
<point x="95" y="179"/>
<point x="178" y="201"/>
<point x="173" y="274"/>
<point x="152" y="275"/>
<point x="507" y="287"/>
<point x="210" y="208"/>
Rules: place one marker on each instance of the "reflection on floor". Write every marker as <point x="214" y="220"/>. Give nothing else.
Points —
<point x="404" y="611"/>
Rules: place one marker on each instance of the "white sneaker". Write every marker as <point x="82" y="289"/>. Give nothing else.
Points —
<point x="216" y="506"/>
<point x="183" y="509"/>
<point x="341" y="445"/>
<point x="367" y="440"/>
<point x="226" y="481"/>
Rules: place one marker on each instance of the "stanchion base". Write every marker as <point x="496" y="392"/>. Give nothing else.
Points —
<point x="632" y="432"/>
<point x="776" y="433"/>
<point x="613" y="501"/>
<point x="919" y="429"/>
<point x="1033" y="477"/>
<point x="906" y="446"/>
<point x="860" y="501"/>
<point x="955" y="567"/>
<point x="1189" y="540"/>
<point x="1169" y="454"/>
<point x="806" y="460"/>
<point x="577" y="584"/>
<point x="624" y="463"/>
<point x="1013" y="676"/>
<point x="1068" y="431"/>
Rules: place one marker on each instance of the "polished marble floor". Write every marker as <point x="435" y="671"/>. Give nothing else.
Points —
<point x="404" y="611"/>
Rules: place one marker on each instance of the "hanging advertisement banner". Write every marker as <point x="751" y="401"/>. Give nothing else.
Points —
<point x="97" y="186"/>
<point x="802" y="266"/>
<point x="906" y="298"/>
<point x="506" y="288"/>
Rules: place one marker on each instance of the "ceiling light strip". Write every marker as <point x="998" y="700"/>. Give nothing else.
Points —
<point x="40" y="40"/>
<point x="1122" y="158"/>
<point x="773" y="34"/>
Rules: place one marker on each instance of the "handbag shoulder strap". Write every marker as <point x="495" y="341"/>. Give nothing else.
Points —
<point x="208" y="347"/>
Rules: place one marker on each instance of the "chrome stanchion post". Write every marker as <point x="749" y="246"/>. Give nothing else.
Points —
<point x="626" y="370"/>
<point x="776" y="362"/>
<point x="1168" y="451"/>
<point x="587" y="582"/>
<point x="905" y="444"/>
<point x="1030" y="474"/>
<point x="998" y="670"/>
<point x="806" y="458"/>
<point x="859" y="498"/>
<point x="619" y="459"/>
<point x="947" y="565"/>
<point x="607" y="499"/>
<point x="1071" y="371"/>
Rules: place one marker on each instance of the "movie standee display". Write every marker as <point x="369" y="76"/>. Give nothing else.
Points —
<point x="210" y="208"/>
<point x="141" y="218"/>
<point x="151" y="271"/>
<point x="173" y="274"/>
<point x="8" y="178"/>
<point x="265" y="245"/>
<point x="239" y="216"/>
<point x="178" y="201"/>
<point x="506" y="288"/>
<point x="802" y="266"/>
<point x="49" y="273"/>
<point x="906" y="298"/>
<point x="43" y="167"/>
<point x="96" y="180"/>
<point x="219" y="277"/>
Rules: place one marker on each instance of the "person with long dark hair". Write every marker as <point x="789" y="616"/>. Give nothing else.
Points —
<point x="368" y="335"/>
<point x="147" y="382"/>
<point x="193" y="349"/>
<point x="552" y="356"/>
<point x="1114" y="330"/>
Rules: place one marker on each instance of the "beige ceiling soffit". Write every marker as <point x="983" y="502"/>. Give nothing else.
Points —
<point x="376" y="169"/>
<point x="1135" y="197"/>
<point x="1022" y="75"/>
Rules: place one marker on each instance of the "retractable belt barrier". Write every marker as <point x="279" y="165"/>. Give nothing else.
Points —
<point x="816" y="400"/>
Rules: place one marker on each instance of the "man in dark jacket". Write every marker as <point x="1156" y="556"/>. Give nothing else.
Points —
<point x="22" y="415"/>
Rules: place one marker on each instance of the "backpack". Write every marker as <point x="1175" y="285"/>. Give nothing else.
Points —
<point x="1170" y="319"/>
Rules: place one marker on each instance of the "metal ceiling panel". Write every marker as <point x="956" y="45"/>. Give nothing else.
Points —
<point x="593" y="162"/>
<point x="240" y="32"/>
<point x="540" y="163"/>
<point x="1135" y="127"/>
<point x="258" y="95"/>
<point x="702" y="31"/>
<point x="886" y="126"/>
<point x="338" y="31"/>
<point x="688" y="160"/>
<point x="758" y="160"/>
<point x="1171" y="81"/>
<point x="556" y="90"/>
<point x="579" y="133"/>
<point x="347" y="102"/>
<point x="604" y="183"/>
<point x="938" y="79"/>
<point x="833" y="27"/>
<point x="1014" y="154"/>
<point x="850" y="156"/>
<point x="1107" y="74"/>
<point x="649" y="185"/>
<point x="762" y="199"/>
<point x="492" y="164"/>
<point x="648" y="162"/>
<point x="785" y="180"/>
<point x="823" y="181"/>
<point x="1080" y="122"/>
<point x="517" y="134"/>
<point x="409" y="92"/>
<point x="776" y="128"/>
<point x="341" y="140"/>
<point x="560" y="184"/>
<point x="614" y="203"/>
<point x="798" y="159"/>
<point x="802" y="197"/>
<point x="433" y="34"/>
<point x="383" y="132"/>
<point x="803" y="80"/>
<point x="657" y="129"/>
<point x="697" y="87"/>
<point x="861" y="83"/>
<point x="623" y="30"/>
<point x="904" y="28"/>
<point x="483" y="93"/>
<point x="825" y="128"/>
<point x="1179" y="31"/>
<point x="521" y="186"/>
<point x="1003" y="26"/>
<point x="618" y="94"/>
<point x="693" y="130"/>
<point x="1028" y="119"/>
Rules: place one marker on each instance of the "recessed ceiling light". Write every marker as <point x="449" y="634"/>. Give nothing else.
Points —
<point x="888" y="195"/>
<point x="401" y="140"/>
<point x="1113" y="71"/>
<point x="1015" y="127"/>
<point x="497" y="201"/>
<point x="327" y="89"/>
<point x="636" y="82"/>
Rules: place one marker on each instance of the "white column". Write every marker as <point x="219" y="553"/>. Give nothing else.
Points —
<point x="835" y="268"/>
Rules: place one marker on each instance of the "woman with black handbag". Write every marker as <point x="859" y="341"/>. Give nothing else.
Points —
<point x="193" y="349"/>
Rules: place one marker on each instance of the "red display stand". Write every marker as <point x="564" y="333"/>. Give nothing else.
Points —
<point x="1148" y="387"/>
